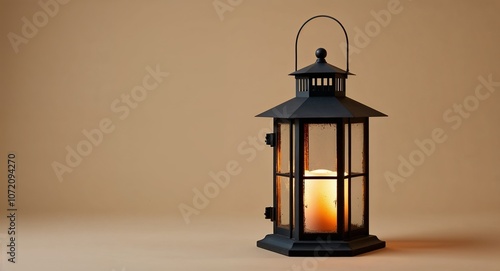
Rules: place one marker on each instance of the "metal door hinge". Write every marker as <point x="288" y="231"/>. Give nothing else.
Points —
<point x="271" y="139"/>
<point x="269" y="213"/>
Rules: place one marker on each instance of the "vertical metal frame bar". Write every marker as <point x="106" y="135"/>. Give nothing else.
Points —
<point x="340" y="176"/>
<point x="367" y="174"/>
<point x="291" y="179"/>
<point x="349" y="151"/>
<point x="305" y="146"/>
<point x="299" y="172"/>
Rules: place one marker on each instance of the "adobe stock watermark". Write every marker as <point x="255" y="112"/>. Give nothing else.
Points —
<point x="364" y="36"/>
<point x="311" y="263"/>
<point x="122" y="107"/>
<point x="453" y="118"/>
<point x="248" y="148"/>
<point x="223" y="6"/>
<point x="30" y="27"/>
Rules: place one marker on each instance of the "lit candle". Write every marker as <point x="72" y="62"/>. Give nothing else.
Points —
<point x="320" y="202"/>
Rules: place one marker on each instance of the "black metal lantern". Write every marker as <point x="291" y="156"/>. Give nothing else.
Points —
<point x="320" y="144"/>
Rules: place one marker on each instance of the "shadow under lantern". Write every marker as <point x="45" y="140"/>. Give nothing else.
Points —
<point x="321" y="173"/>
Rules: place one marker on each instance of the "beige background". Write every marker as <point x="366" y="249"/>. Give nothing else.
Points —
<point x="118" y="209"/>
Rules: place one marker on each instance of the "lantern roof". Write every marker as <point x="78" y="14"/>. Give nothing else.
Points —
<point x="320" y="67"/>
<point x="318" y="97"/>
<point x="321" y="107"/>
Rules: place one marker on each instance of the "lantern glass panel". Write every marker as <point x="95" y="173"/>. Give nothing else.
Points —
<point x="283" y="196"/>
<point x="283" y="165"/>
<point x="320" y="146"/>
<point x="357" y="202"/>
<point x="357" y="148"/>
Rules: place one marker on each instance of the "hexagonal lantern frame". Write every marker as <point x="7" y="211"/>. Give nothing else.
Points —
<point x="319" y="136"/>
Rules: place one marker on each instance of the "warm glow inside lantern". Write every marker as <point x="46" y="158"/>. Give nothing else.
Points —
<point x="320" y="144"/>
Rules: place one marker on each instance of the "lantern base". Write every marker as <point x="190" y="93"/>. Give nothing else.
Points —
<point x="320" y="248"/>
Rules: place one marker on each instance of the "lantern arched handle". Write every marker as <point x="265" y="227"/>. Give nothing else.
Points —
<point x="323" y="16"/>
